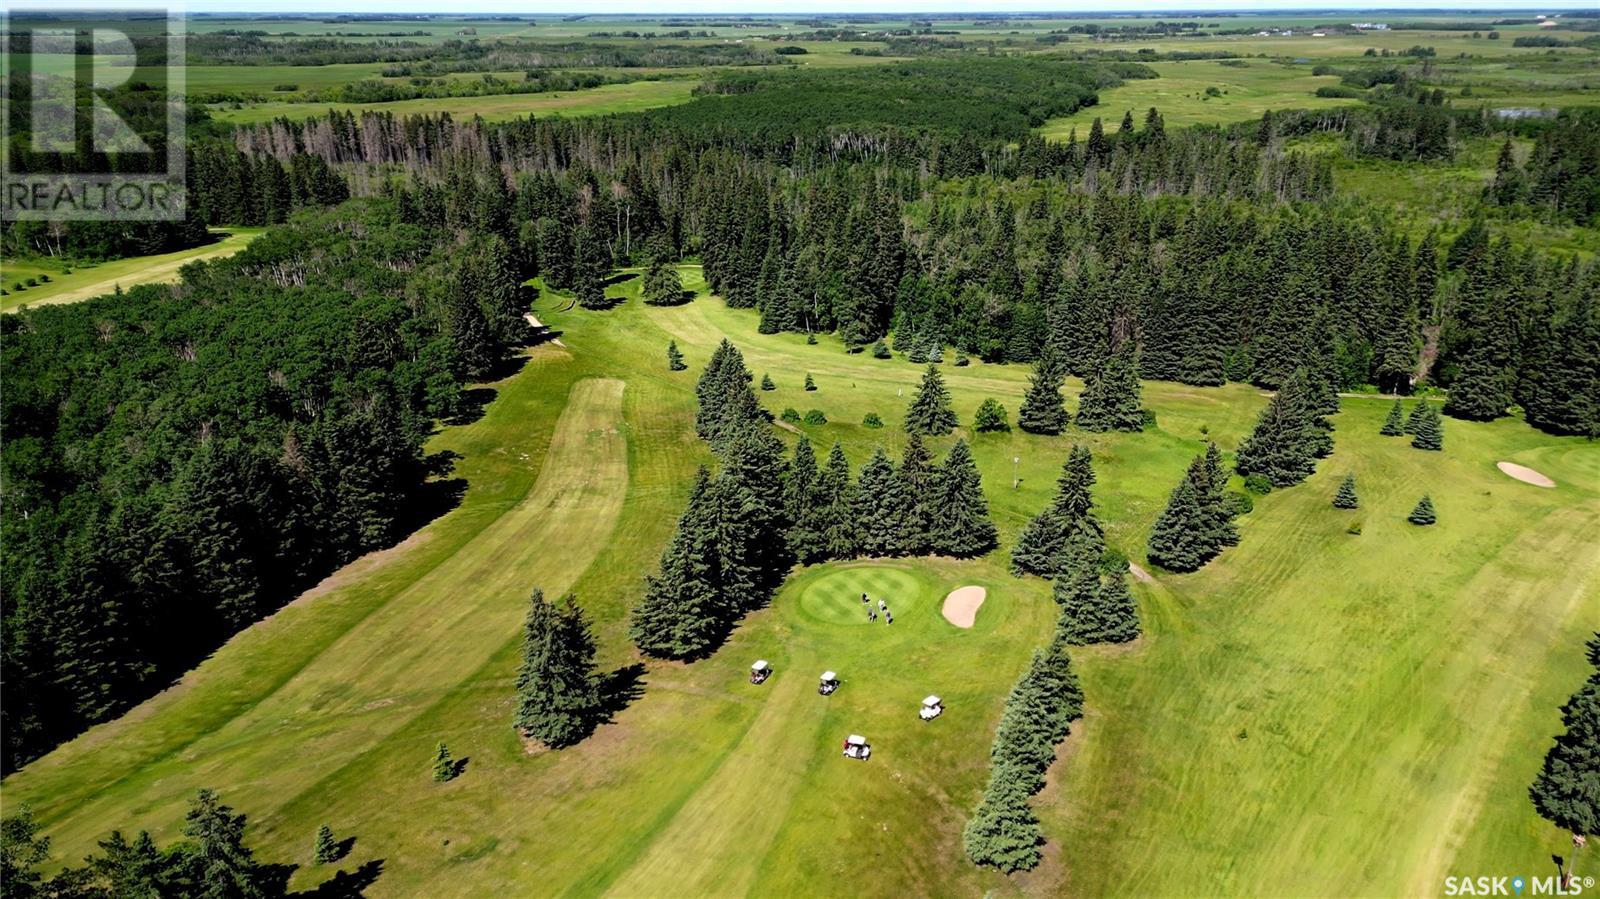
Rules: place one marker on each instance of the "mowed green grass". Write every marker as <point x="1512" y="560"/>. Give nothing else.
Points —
<point x="86" y="281"/>
<point x="1352" y="714"/>
<point x="1180" y="95"/>
<point x="632" y="96"/>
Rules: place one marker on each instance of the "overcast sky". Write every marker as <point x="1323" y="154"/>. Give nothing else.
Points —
<point x="668" y="7"/>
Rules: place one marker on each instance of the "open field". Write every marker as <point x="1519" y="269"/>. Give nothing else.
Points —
<point x="633" y="96"/>
<point x="87" y="281"/>
<point x="1180" y="94"/>
<point x="1357" y="712"/>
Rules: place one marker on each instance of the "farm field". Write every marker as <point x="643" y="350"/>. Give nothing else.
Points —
<point x="1361" y="708"/>
<point x="88" y="281"/>
<point x="632" y="96"/>
<point x="1244" y="93"/>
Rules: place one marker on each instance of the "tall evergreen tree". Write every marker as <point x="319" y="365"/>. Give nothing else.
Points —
<point x="1043" y="410"/>
<point x="838" y="514"/>
<point x="1110" y="400"/>
<point x="662" y="285"/>
<point x="930" y="413"/>
<point x="674" y="357"/>
<point x="878" y="507"/>
<point x="1566" y="791"/>
<point x="916" y="489"/>
<point x="1210" y="482"/>
<point x="683" y="613"/>
<point x="1287" y="437"/>
<point x="558" y="699"/>
<point x="1394" y="423"/>
<point x="1346" y="497"/>
<point x="1180" y="540"/>
<point x="961" y="525"/>
<point x="1427" y="430"/>
<point x="326" y="849"/>
<point x="444" y="764"/>
<point x="1423" y="513"/>
<point x="1038" y="550"/>
<point x="806" y="540"/>
<point x="221" y="866"/>
<point x="1093" y="611"/>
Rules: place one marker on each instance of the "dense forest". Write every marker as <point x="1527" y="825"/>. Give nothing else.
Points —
<point x="206" y="450"/>
<point x="201" y="453"/>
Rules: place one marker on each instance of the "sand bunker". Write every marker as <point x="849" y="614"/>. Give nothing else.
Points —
<point x="1525" y="474"/>
<point x="961" y="606"/>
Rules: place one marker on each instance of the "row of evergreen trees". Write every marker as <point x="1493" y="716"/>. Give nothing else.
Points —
<point x="1003" y="831"/>
<point x="1197" y="522"/>
<point x="1566" y="791"/>
<point x="1291" y="433"/>
<point x="745" y="525"/>
<point x="1110" y="399"/>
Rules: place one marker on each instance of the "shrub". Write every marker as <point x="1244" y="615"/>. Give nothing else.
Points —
<point x="766" y="383"/>
<point x="33" y="282"/>
<point x="285" y="88"/>
<point x="815" y="417"/>
<point x="991" y="417"/>
<point x="1242" y="503"/>
<point x="1113" y="562"/>
<point x="44" y="279"/>
<point x="872" y="420"/>
<point x="1258" y="484"/>
<point x="790" y="415"/>
<point x="1354" y="528"/>
<point x="880" y="350"/>
<point x="962" y="362"/>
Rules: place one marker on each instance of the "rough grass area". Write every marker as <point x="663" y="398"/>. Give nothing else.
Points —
<point x="1315" y="712"/>
<point x="86" y="281"/>
<point x="632" y="96"/>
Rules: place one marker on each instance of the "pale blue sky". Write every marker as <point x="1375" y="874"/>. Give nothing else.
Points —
<point x="792" y="7"/>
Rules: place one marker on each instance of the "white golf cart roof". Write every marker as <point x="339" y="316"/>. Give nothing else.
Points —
<point x="760" y="665"/>
<point x="829" y="675"/>
<point x="856" y="740"/>
<point x="931" y="701"/>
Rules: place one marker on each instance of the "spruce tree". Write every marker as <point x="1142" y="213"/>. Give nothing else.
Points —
<point x="1566" y="791"/>
<point x="1428" y="433"/>
<point x="1093" y="611"/>
<point x="674" y="357"/>
<point x="838" y="522"/>
<point x="961" y="525"/>
<point x="877" y="509"/>
<point x="326" y="849"/>
<point x="683" y="613"/>
<point x="1110" y="400"/>
<point x="1210" y="482"/>
<point x="1418" y="412"/>
<point x="990" y="418"/>
<point x="766" y="383"/>
<point x="1287" y="437"/>
<point x="810" y="384"/>
<point x="1180" y="539"/>
<point x="880" y="350"/>
<point x="1004" y="832"/>
<point x="916" y="489"/>
<point x="444" y="766"/>
<point x="1039" y="548"/>
<point x="1394" y="424"/>
<point x="1346" y="497"/>
<point x="1423" y="513"/>
<point x="930" y="413"/>
<point x="799" y="497"/>
<point x="662" y="286"/>
<point x="224" y="865"/>
<point x="558" y="697"/>
<point x="1043" y="410"/>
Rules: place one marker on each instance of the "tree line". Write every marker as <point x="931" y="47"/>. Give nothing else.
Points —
<point x="203" y="451"/>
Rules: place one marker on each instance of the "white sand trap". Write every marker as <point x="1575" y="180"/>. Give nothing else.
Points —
<point x="961" y="606"/>
<point x="540" y="326"/>
<point x="1525" y="474"/>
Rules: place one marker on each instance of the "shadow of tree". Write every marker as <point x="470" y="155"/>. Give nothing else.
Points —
<point x="618" y="690"/>
<point x="346" y="884"/>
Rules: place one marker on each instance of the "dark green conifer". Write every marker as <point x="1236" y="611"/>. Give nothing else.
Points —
<point x="216" y="834"/>
<point x="1043" y="410"/>
<point x="1423" y="513"/>
<point x="1428" y="432"/>
<point x="674" y="357"/>
<point x="810" y="384"/>
<point x="683" y="613"/>
<point x="1093" y="611"/>
<point x="766" y="383"/>
<point x="1180" y="539"/>
<point x="917" y="484"/>
<point x="1346" y="497"/>
<point x="930" y="413"/>
<point x="444" y="766"/>
<point x="662" y="285"/>
<point x="558" y="698"/>
<point x="1394" y="424"/>
<point x="1566" y="792"/>
<point x="1217" y="509"/>
<point x="1287" y="437"/>
<point x="990" y="418"/>
<point x="835" y="487"/>
<point x="1038" y="550"/>
<point x="960" y="519"/>
<point x="1110" y="400"/>
<point x="326" y="849"/>
<point x="878" y="510"/>
<point x="880" y="350"/>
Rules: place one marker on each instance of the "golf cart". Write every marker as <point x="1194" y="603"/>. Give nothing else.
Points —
<point x="830" y="682"/>
<point x="932" y="707"/>
<point x="855" y="747"/>
<point x="760" y="671"/>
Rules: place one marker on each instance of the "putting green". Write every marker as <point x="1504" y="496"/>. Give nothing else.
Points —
<point x="835" y="598"/>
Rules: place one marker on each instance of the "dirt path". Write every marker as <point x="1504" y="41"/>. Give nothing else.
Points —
<point x="1524" y="474"/>
<point x="961" y="606"/>
<point x="1140" y="575"/>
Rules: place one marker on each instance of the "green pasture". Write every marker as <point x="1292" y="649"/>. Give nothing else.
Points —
<point x="1180" y="94"/>
<point x="632" y="96"/>
<point x="92" y="280"/>
<point x="1317" y="712"/>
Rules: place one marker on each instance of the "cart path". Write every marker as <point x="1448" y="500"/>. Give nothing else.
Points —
<point x="406" y="651"/>
<point x="717" y="841"/>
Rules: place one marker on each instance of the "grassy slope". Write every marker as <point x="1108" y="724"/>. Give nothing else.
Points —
<point x="92" y="281"/>
<point x="1378" y="677"/>
<point x="608" y="98"/>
